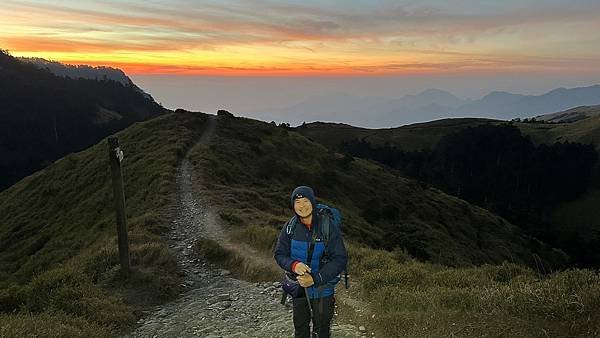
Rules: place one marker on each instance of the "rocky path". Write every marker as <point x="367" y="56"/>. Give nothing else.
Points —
<point x="215" y="304"/>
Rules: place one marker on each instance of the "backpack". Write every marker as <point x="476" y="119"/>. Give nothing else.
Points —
<point x="329" y="217"/>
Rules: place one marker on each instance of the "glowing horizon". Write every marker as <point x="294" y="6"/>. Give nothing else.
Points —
<point x="339" y="38"/>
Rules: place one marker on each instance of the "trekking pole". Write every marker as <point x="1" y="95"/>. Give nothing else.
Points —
<point x="312" y="315"/>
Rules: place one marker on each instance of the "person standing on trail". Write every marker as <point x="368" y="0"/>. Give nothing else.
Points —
<point x="312" y="261"/>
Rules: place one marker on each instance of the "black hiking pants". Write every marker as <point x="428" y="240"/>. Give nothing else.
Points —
<point x="323" y="312"/>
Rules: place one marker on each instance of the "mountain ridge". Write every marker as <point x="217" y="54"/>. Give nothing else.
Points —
<point x="571" y="115"/>
<point x="45" y="116"/>
<point x="432" y="104"/>
<point x="84" y="71"/>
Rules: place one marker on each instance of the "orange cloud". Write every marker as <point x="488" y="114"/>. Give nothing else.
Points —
<point x="254" y="37"/>
<point x="52" y="45"/>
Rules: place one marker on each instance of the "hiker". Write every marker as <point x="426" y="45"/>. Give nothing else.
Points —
<point x="314" y="280"/>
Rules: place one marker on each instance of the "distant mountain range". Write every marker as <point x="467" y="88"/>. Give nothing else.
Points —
<point x="433" y="104"/>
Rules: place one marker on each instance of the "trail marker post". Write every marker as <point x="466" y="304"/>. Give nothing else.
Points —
<point x="115" y="156"/>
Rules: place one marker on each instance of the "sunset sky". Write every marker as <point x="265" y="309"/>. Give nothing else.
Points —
<point x="239" y="38"/>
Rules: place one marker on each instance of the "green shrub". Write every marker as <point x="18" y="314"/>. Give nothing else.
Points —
<point x="66" y="290"/>
<point x="241" y="265"/>
<point x="11" y="298"/>
<point x="260" y="237"/>
<point x="457" y="278"/>
<point x="463" y="300"/>
<point x="506" y="272"/>
<point x="232" y="218"/>
<point x="212" y="251"/>
<point x="49" y="324"/>
<point x="407" y="275"/>
<point x="393" y="298"/>
<point x="362" y="259"/>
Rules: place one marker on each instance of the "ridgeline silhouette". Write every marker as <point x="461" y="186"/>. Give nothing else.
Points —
<point x="44" y="116"/>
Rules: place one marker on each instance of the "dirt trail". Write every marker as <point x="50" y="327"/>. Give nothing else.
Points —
<point x="215" y="304"/>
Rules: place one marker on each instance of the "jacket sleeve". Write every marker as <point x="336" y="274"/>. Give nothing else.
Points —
<point x="282" y="251"/>
<point x="337" y="259"/>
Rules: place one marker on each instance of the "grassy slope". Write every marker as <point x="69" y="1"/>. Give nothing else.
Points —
<point x="425" y="135"/>
<point x="579" y="214"/>
<point x="58" y="256"/>
<point x="584" y="131"/>
<point x="571" y="115"/>
<point x="264" y="163"/>
<point x="250" y="168"/>
<point x="408" y="137"/>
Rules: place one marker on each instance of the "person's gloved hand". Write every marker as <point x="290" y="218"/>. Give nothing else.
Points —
<point x="301" y="268"/>
<point x="305" y="280"/>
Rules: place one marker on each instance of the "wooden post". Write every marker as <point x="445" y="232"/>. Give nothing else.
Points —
<point x="115" y="156"/>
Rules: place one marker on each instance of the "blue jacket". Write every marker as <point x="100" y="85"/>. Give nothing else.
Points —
<point x="294" y="247"/>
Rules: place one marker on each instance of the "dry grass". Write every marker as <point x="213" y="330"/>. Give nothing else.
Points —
<point x="244" y="262"/>
<point x="59" y="267"/>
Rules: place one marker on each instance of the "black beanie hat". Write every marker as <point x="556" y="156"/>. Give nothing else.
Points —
<point x="304" y="191"/>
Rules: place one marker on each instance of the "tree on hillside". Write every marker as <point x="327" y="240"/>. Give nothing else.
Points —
<point x="498" y="168"/>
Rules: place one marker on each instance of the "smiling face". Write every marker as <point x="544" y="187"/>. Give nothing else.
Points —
<point x="303" y="207"/>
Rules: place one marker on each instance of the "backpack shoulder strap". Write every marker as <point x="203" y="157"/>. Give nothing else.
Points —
<point x="329" y="217"/>
<point x="290" y="225"/>
<point x="325" y="220"/>
<point x="326" y="227"/>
